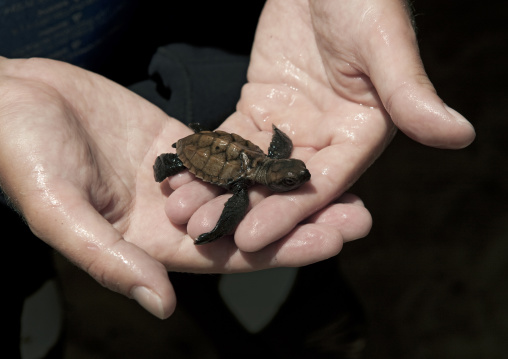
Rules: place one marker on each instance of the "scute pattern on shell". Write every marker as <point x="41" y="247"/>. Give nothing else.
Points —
<point x="218" y="157"/>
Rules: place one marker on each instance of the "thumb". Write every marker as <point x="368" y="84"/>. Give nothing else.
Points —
<point x="70" y="224"/>
<point x="397" y="72"/>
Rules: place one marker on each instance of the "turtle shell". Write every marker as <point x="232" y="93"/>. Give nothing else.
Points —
<point x="219" y="157"/>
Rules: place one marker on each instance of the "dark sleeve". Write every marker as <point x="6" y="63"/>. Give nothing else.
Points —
<point x="195" y="84"/>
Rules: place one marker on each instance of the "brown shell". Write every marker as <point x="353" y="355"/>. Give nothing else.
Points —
<point x="219" y="157"/>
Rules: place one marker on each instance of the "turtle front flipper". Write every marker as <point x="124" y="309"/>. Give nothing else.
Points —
<point x="281" y="145"/>
<point x="167" y="164"/>
<point x="234" y="211"/>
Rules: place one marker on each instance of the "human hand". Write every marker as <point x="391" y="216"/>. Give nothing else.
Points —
<point x="75" y="160"/>
<point x="76" y="157"/>
<point x="338" y="77"/>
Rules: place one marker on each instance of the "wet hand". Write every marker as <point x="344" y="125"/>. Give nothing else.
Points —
<point x="339" y="77"/>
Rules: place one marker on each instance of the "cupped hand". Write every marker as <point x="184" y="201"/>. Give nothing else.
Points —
<point x="76" y="157"/>
<point x="75" y="160"/>
<point x="339" y="77"/>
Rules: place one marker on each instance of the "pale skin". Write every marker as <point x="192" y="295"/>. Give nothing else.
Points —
<point x="76" y="150"/>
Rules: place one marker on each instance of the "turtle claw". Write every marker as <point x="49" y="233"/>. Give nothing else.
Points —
<point x="205" y="238"/>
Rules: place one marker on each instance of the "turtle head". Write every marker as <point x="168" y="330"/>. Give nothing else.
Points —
<point x="285" y="175"/>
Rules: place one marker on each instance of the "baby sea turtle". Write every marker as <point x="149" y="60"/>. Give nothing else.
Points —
<point x="228" y="160"/>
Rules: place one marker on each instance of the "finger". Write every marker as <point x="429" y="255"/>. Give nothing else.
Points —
<point x="348" y="214"/>
<point x="305" y="244"/>
<point x="393" y="63"/>
<point x="206" y="216"/>
<point x="186" y="199"/>
<point x="418" y="111"/>
<point x="320" y="238"/>
<point x="67" y="221"/>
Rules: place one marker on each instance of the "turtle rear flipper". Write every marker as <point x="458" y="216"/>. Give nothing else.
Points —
<point x="234" y="211"/>
<point x="196" y="127"/>
<point x="167" y="164"/>
<point x="281" y="145"/>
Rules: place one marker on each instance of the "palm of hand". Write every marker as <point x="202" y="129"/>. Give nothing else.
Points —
<point x="332" y="131"/>
<point x="337" y="76"/>
<point x="81" y="151"/>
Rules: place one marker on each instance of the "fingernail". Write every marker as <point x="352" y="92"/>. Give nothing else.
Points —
<point x="458" y="117"/>
<point x="149" y="300"/>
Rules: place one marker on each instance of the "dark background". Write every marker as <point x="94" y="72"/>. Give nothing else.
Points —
<point x="432" y="273"/>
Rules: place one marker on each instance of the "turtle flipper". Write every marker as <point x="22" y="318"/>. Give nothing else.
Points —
<point x="167" y="164"/>
<point x="281" y="145"/>
<point x="196" y="127"/>
<point x="234" y="211"/>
